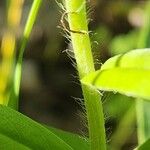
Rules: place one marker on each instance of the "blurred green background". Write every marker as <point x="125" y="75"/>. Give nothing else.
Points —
<point x="50" y="90"/>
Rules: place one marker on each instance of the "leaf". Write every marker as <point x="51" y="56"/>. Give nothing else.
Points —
<point x="13" y="100"/>
<point x="131" y="82"/>
<point x="144" y="146"/>
<point x="21" y="133"/>
<point x="127" y="74"/>
<point x="139" y="58"/>
<point x="75" y="141"/>
<point x="10" y="144"/>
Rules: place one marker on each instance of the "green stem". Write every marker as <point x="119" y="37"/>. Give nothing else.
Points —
<point x="140" y="121"/>
<point x="142" y="107"/>
<point x="95" y="118"/>
<point x="124" y="129"/>
<point x="27" y="31"/>
<point x="77" y="20"/>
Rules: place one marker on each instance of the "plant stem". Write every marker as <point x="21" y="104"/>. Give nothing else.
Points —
<point x="142" y="107"/>
<point x="82" y="49"/>
<point x="124" y="129"/>
<point x="95" y="117"/>
<point x="27" y="31"/>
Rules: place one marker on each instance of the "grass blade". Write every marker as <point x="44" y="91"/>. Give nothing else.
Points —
<point x="20" y="130"/>
<point x="27" y="31"/>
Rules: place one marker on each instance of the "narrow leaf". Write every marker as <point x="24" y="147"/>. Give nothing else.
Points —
<point x="75" y="141"/>
<point x="144" y="146"/>
<point x="21" y="132"/>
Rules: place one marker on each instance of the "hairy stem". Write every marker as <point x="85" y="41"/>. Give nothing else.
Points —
<point x="76" y="10"/>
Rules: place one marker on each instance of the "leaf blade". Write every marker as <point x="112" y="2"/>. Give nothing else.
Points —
<point x="27" y="132"/>
<point x="126" y="81"/>
<point x="144" y="146"/>
<point x="75" y="141"/>
<point x="138" y="58"/>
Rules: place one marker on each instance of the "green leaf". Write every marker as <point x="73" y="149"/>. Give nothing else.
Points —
<point x="75" y="141"/>
<point x="139" y="58"/>
<point x="10" y="144"/>
<point x="131" y="82"/>
<point x="21" y="133"/>
<point x="127" y="74"/>
<point x="13" y="101"/>
<point x="144" y="146"/>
